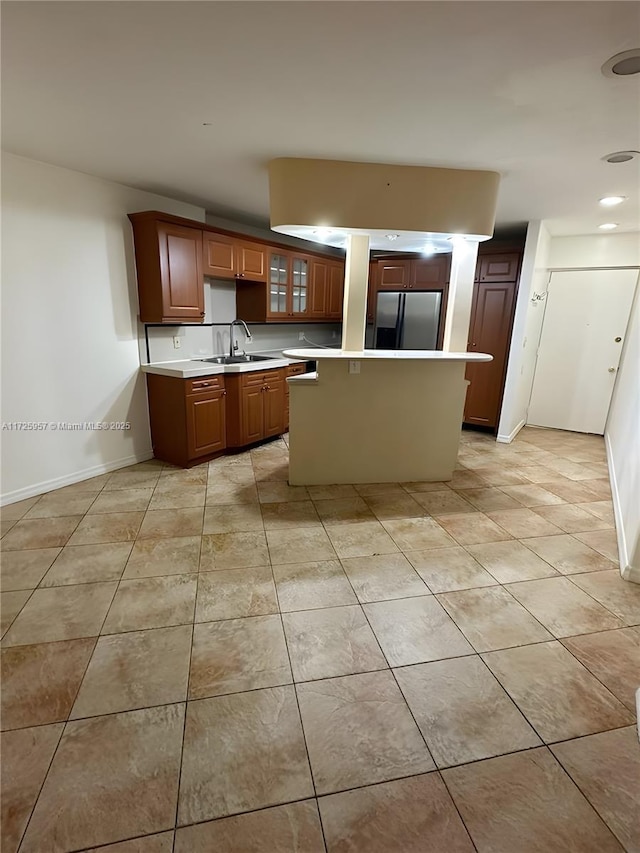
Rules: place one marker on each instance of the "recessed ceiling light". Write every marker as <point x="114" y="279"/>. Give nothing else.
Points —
<point x="608" y="226"/>
<point x="621" y="156"/>
<point x="392" y="236"/>
<point x="612" y="200"/>
<point x="623" y="64"/>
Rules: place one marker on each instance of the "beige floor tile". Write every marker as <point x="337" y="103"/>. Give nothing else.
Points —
<point x="136" y="670"/>
<point x="600" y="509"/>
<point x="162" y="523"/>
<point x="557" y="695"/>
<point x="242" y="752"/>
<point x="417" y="534"/>
<point x="415" y="630"/>
<point x="606" y="768"/>
<point x="571" y="518"/>
<point x="617" y="595"/>
<point x="61" y="613"/>
<point x="600" y="488"/>
<point x="233" y="551"/>
<point x="40" y="682"/>
<point x="462" y="711"/>
<point x="88" y="564"/>
<point x="178" y="497"/>
<point x="280" y="492"/>
<point x="122" y="500"/>
<point x="495" y="475"/>
<point x="511" y="561"/>
<point x="572" y="491"/>
<point x="362" y="539"/>
<point x="603" y="541"/>
<point x="532" y="494"/>
<point x="170" y="556"/>
<point x="613" y="657"/>
<point x="272" y="472"/>
<point x="93" y="484"/>
<point x="490" y="499"/>
<point x="562" y="608"/>
<point x="536" y="473"/>
<point x="299" y="546"/>
<point x="331" y="642"/>
<point x="344" y="510"/>
<point x="17" y="510"/>
<point x="152" y="603"/>
<point x="157" y="843"/>
<point x="5" y="526"/>
<point x="367" y="489"/>
<point x="443" y="502"/>
<point x="446" y="569"/>
<point x="238" y="655"/>
<point x="310" y="586"/>
<point x="224" y="493"/>
<point x="424" y="486"/>
<point x="463" y="479"/>
<point x="233" y="518"/>
<point x="136" y="479"/>
<point x="359" y="731"/>
<point x="11" y="603"/>
<point x="472" y="528"/>
<point x="234" y="593"/>
<point x="413" y="815"/>
<point x="383" y="577"/>
<point x="112" y="778"/>
<point x="278" y="516"/>
<point x="56" y="503"/>
<point x="320" y="493"/>
<point x="523" y="522"/>
<point x="568" y="555"/>
<point x="40" y="533"/>
<point x="294" y="828"/>
<point x="490" y="618"/>
<point x="25" y="569"/>
<point x="540" y="809"/>
<point x="395" y="506"/>
<point x="196" y="476"/>
<point x="232" y="475"/>
<point x="107" y="527"/>
<point x="26" y="755"/>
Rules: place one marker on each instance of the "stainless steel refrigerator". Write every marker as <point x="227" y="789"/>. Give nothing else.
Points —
<point x="407" y="320"/>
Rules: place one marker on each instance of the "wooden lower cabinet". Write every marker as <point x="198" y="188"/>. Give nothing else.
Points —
<point x="255" y="406"/>
<point x="188" y="418"/>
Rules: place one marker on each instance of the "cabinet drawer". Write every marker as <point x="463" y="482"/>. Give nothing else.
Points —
<point x="262" y="377"/>
<point x="295" y="369"/>
<point x="204" y="383"/>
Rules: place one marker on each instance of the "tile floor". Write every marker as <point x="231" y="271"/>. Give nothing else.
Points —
<point x="212" y="660"/>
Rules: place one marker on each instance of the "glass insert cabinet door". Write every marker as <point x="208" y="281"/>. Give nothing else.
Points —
<point x="299" y="280"/>
<point x="278" y="284"/>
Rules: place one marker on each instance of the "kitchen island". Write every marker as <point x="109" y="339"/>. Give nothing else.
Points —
<point x="377" y="416"/>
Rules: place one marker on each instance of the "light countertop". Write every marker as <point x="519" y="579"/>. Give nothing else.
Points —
<point x="388" y="355"/>
<point x="191" y="368"/>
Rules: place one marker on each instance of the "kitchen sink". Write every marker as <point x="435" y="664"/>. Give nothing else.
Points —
<point x="235" y="359"/>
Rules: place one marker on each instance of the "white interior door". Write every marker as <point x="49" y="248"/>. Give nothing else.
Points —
<point x="585" y="320"/>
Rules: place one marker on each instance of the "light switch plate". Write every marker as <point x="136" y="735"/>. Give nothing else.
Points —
<point x="354" y="367"/>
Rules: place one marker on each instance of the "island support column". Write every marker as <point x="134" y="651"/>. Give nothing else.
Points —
<point x="356" y="277"/>
<point x="458" y="317"/>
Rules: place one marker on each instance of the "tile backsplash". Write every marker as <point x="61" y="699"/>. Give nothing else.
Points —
<point x="220" y="309"/>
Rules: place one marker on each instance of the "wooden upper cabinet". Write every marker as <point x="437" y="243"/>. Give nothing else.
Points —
<point x="499" y="267"/>
<point x="394" y="275"/>
<point x="430" y="273"/>
<point x="169" y="268"/>
<point x="278" y="304"/>
<point x="335" y="290"/>
<point x="319" y="295"/>
<point x="228" y="257"/>
<point x="299" y="284"/>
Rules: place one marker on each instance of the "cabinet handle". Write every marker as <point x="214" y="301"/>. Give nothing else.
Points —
<point x="267" y="387"/>
<point x="202" y="385"/>
<point x="224" y="394"/>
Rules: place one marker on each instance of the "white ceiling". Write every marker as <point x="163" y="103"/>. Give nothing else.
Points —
<point x="121" y="90"/>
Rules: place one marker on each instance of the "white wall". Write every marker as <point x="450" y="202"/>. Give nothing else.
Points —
<point x="622" y="438"/>
<point x="69" y="329"/>
<point x="527" y="326"/>
<point x="595" y="250"/>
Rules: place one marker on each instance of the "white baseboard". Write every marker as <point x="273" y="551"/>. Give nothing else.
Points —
<point x="629" y="573"/>
<point x="507" y="439"/>
<point x="69" y="479"/>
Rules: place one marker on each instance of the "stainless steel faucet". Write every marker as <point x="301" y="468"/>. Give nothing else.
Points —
<point x="234" y="346"/>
